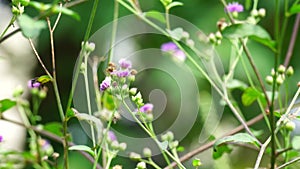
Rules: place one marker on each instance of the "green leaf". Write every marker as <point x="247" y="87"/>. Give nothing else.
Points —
<point x="166" y="2"/>
<point x="44" y="79"/>
<point x="247" y="4"/>
<point x="267" y="42"/>
<point x="108" y="101"/>
<point x="176" y="33"/>
<point x="217" y="153"/>
<point x="55" y="128"/>
<point x="173" y="4"/>
<point x="245" y="30"/>
<point x="296" y="142"/>
<point x="70" y="113"/>
<point x="30" y="28"/>
<point x="240" y="137"/>
<point x="6" y="104"/>
<point x="250" y="95"/>
<point x="82" y="148"/>
<point x="180" y="149"/>
<point x="156" y="15"/>
<point x="236" y="84"/>
<point x="294" y="9"/>
<point x="67" y="12"/>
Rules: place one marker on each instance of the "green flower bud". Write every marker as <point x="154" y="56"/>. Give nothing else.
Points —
<point x="170" y="136"/>
<point x="269" y="80"/>
<point x="185" y="35"/>
<point x="42" y="94"/>
<point x="262" y="12"/>
<point x="281" y="69"/>
<point x="173" y="144"/>
<point x="115" y="145"/>
<point x="82" y="68"/>
<point x="135" y="156"/>
<point x="89" y="47"/>
<point x="289" y="125"/>
<point x="149" y="117"/>
<point x="279" y="80"/>
<point x="147" y="152"/>
<point x="289" y="71"/>
<point x="15" y="10"/>
<point x="190" y="43"/>
<point x="133" y="91"/>
<point x="212" y="38"/>
<point x="141" y="165"/>
<point x="34" y="91"/>
<point x="219" y="35"/>
<point x="273" y="72"/>
<point x="122" y="146"/>
<point x="254" y="13"/>
<point x="131" y="78"/>
<point x="18" y="91"/>
<point x="235" y="14"/>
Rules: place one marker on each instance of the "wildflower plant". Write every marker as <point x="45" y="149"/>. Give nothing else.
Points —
<point x="110" y="92"/>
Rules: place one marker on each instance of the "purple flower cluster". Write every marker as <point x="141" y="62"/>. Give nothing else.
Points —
<point x="125" y="64"/>
<point x="147" y="108"/>
<point x="111" y="136"/>
<point x="234" y="7"/>
<point x="33" y="84"/>
<point x="172" y="48"/>
<point x="1" y="138"/>
<point x="105" y="83"/>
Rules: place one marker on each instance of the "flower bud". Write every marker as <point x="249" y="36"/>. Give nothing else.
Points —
<point x="219" y="35"/>
<point x="273" y="72"/>
<point x="289" y="125"/>
<point x="212" y="38"/>
<point x="269" y="80"/>
<point x="131" y="78"/>
<point x="281" y="69"/>
<point x="122" y="146"/>
<point x="289" y="71"/>
<point x="141" y="165"/>
<point x="190" y="43"/>
<point x="147" y="152"/>
<point x="90" y="47"/>
<point x="279" y="80"/>
<point x="149" y="117"/>
<point x="115" y="145"/>
<point x="18" y="91"/>
<point x="42" y="94"/>
<point x="262" y="12"/>
<point x="254" y="13"/>
<point x="185" y="35"/>
<point x="133" y="91"/>
<point x="173" y="144"/>
<point x="134" y="156"/>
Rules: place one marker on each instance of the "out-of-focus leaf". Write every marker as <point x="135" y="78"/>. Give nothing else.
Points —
<point x="197" y="162"/>
<point x="180" y="149"/>
<point x="217" y="153"/>
<point x="108" y="101"/>
<point x="30" y="28"/>
<point x="70" y="113"/>
<point x="6" y="104"/>
<point x="294" y="9"/>
<point x="173" y="4"/>
<point x="67" y="12"/>
<point x="166" y="2"/>
<point x="240" y="137"/>
<point x="55" y="128"/>
<point x="250" y="95"/>
<point x="267" y="42"/>
<point x="236" y="84"/>
<point x="296" y="142"/>
<point x="82" y="148"/>
<point x="245" y="30"/>
<point x="156" y="15"/>
<point x="176" y="33"/>
<point x="247" y="4"/>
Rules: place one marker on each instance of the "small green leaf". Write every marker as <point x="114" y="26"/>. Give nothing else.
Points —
<point x="44" y="79"/>
<point x="108" y="101"/>
<point x="180" y="149"/>
<point x="70" y="113"/>
<point x="236" y="84"/>
<point x="6" y="104"/>
<point x="67" y="12"/>
<point x="82" y="148"/>
<point x="166" y="2"/>
<point x="30" y="28"/>
<point x="155" y="15"/>
<point x="294" y="9"/>
<point x="173" y="4"/>
<point x="245" y="30"/>
<point x="55" y="128"/>
<point x="267" y="42"/>
<point x="176" y="33"/>
<point x="296" y="142"/>
<point x="250" y="95"/>
<point x="197" y="162"/>
<point x="217" y="153"/>
<point x="240" y="137"/>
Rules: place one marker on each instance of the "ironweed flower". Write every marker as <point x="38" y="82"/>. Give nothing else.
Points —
<point x="33" y="84"/>
<point x="105" y="83"/>
<point x="111" y="136"/>
<point x="125" y="64"/>
<point x="147" y="108"/>
<point x="1" y="138"/>
<point x="234" y="7"/>
<point x="172" y="48"/>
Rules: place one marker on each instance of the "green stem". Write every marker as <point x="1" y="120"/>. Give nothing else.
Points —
<point x="8" y="26"/>
<point x="167" y="19"/>
<point x="114" y="32"/>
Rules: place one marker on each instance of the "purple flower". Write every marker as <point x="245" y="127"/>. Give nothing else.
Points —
<point x="121" y="73"/>
<point x="234" y="7"/>
<point x="33" y="84"/>
<point x="169" y="46"/>
<point x="125" y="64"/>
<point x="105" y="83"/>
<point x="147" y="108"/>
<point x="174" y="50"/>
<point x="1" y="138"/>
<point x="45" y="144"/>
<point x="111" y="136"/>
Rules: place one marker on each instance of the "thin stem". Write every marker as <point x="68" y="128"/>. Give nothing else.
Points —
<point x="289" y="163"/>
<point x="210" y="144"/>
<point x="39" y="58"/>
<point x="114" y="31"/>
<point x="167" y="19"/>
<point x="292" y="41"/>
<point x="261" y="153"/>
<point x="12" y="20"/>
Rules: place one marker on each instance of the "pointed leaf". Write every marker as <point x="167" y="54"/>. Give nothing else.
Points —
<point x="267" y="42"/>
<point x="240" y="137"/>
<point x="55" y="128"/>
<point x="6" y="104"/>
<point x="173" y="4"/>
<point x="44" y="79"/>
<point x="250" y="95"/>
<point x="156" y="15"/>
<point x="82" y="148"/>
<point x="30" y="28"/>
<point x="294" y="9"/>
<point x="245" y="30"/>
<point x="236" y="84"/>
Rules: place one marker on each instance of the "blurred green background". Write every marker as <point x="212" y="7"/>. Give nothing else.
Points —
<point x="202" y="13"/>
